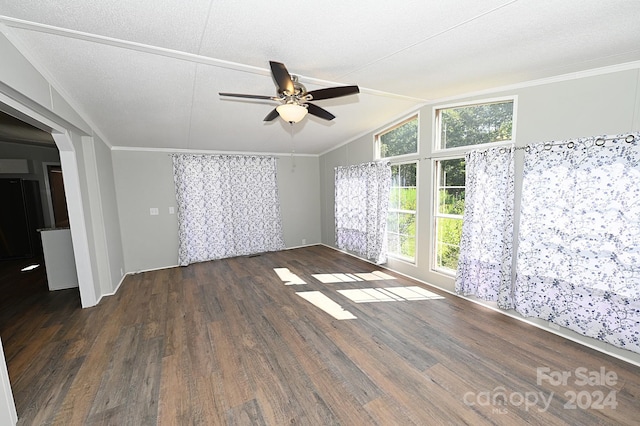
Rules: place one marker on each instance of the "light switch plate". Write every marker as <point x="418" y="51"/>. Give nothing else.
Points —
<point x="172" y="210"/>
<point x="153" y="211"/>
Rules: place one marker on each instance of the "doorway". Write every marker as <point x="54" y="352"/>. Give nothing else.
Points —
<point x="58" y="197"/>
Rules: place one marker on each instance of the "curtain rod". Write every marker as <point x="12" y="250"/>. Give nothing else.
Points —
<point x="571" y="143"/>
<point x="599" y="141"/>
<point x="225" y="155"/>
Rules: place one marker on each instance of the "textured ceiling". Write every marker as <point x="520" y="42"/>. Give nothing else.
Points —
<point x="147" y="73"/>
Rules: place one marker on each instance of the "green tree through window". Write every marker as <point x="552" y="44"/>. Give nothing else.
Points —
<point x="450" y="207"/>
<point x="476" y="124"/>
<point x="461" y="126"/>
<point x="401" y="139"/>
<point x="401" y="220"/>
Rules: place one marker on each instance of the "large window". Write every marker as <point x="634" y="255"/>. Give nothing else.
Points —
<point x="401" y="223"/>
<point x="399" y="143"/>
<point x="401" y="139"/>
<point x="457" y="127"/>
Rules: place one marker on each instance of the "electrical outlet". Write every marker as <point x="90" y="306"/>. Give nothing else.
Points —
<point x="304" y="241"/>
<point x="554" y="326"/>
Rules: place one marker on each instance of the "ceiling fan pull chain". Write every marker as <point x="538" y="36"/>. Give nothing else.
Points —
<point x="293" y="150"/>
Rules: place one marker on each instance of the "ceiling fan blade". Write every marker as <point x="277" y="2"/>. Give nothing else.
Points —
<point x="240" y="95"/>
<point x="282" y="77"/>
<point x="272" y="115"/>
<point x="333" y="92"/>
<point x="320" y="112"/>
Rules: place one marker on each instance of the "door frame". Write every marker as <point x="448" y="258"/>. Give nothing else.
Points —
<point x="78" y="224"/>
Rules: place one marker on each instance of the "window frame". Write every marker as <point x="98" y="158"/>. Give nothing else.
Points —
<point x="397" y="256"/>
<point x="394" y="125"/>
<point x="437" y="125"/>
<point x="436" y="214"/>
<point x="440" y="154"/>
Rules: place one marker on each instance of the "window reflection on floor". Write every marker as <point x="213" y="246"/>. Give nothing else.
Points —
<point x="346" y="278"/>
<point x="288" y="277"/>
<point x="389" y="294"/>
<point x="321" y="301"/>
<point x="357" y="295"/>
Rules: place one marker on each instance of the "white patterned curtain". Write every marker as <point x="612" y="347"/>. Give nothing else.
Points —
<point x="578" y="259"/>
<point x="486" y="245"/>
<point x="361" y="206"/>
<point x="227" y="206"/>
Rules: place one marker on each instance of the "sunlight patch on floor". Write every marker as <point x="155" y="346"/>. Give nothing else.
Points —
<point x="389" y="294"/>
<point x="288" y="277"/>
<point x="321" y="301"/>
<point x="349" y="278"/>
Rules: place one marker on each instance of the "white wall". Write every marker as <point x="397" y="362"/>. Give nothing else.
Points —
<point x="602" y="102"/>
<point x="144" y="180"/>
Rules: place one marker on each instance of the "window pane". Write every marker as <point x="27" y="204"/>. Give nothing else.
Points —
<point x="407" y="223"/>
<point x="399" y="140"/>
<point x="392" y="223"/>
<point x="451" y="201"/>
<point x="394" y="198"/>
<point x="448" y="233"/>
<point x="408" y="174"/>
<point x="407" y="198"/>
<point x="451" y="175"/>
<point x="401" y="221"/>
<point x="452" y="172"/>
<point x="475" y="124"/>
<point x="408" y="246"/>
<point x="393" y="243"/>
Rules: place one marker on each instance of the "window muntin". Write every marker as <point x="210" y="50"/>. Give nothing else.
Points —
<point x="401" y="139"/>
<point x="475" y="124"/>
<point x="401" y="219"/>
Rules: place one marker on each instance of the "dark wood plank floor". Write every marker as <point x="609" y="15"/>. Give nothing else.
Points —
<point x="226" y="342"/>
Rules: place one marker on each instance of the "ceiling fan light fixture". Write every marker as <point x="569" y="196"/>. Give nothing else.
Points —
<point x="291" y="113"/>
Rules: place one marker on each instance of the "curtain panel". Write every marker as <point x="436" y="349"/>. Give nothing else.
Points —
<point x="486" y="245"/>
<point x="361" y="206"/>
<point x="227" y="206"/>
<point x="578" y="262"/>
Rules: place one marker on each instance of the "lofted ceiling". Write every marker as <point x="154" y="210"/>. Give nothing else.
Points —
<point x="147" y="74"/>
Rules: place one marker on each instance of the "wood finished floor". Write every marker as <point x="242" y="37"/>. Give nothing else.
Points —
<point x="226" y="342"/>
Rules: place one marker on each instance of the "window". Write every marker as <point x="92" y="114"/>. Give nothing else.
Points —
<point x="401" y="139"/>
<point x="475" y="124"/>
<point x="401" y="219"/>
<point x="449" y="210"/>
<point x="461" y="126"/>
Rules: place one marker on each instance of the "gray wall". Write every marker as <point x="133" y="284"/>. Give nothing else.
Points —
<point x="144" y="179"/>
<point x="607" y="103"/>
<point x="109" y="242"/>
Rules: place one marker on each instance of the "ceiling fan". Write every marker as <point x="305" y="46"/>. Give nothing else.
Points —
<point x="294" y="98"/>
